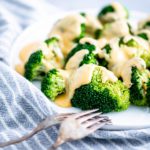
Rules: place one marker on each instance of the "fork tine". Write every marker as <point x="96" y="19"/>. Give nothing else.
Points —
<point x="92" y="122"/>
<point x="63" y="116"/>
<point x="66" y="114"/>
<point x="97" y="126"/>
<point x="108" y="120"/>
<point x="85" y="113"/>
<point x="90" y="116"/>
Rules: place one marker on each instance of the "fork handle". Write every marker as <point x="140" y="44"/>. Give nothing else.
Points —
<point x="25" y="137"/>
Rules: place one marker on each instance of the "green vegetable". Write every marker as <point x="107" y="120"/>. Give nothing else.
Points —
<point x="79" y="47"/>
<point x="111" y="9"/>
<point x="98" y="33"/>
<point x="148" y="92"/>
<point x="141" y="51"/>
<point x="137" y="96"/>
<point x="89" y="58"/>
<point x="147" y="24"/>
<point x="105" y="10"/>
<point x="107" y="97"/>
<point x="83" y="14"/>
<point x="130" y="29"/>
<point x="51" y="41"/>
<point x="107" y="48"/>
<point x="53" y="84"/>
<point x="102" y="62"/>
<point x="143" y="35"/>
<point x="137" y="89"/>
<point x="35" y="68"/>
<point x="130" y="43"/>
<point x="82" y="34"/>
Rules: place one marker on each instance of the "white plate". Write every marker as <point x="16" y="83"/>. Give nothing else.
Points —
<point x="133" y="118"/>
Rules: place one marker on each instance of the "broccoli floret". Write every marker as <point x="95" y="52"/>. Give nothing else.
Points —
<point x="93" y="28"/>
<point x="105" y="10"/>
<point x="110" y="9"/>
<point x="147" y="24"/>
<point x="82" y="34"/>
<point x="51" y="41"/>
<point x="121" y="28"/>
<point x="98" y="33"/>
<point x="143" y="36"/>
<point x="141" y="51"/>
<point x="102" y="62"/>
<point x="83" y="14"/>
<point x="146" y="57"/>
<point x="89" y="58"/>
<point x="107" y="48"/>
<point x="53" y="84"/>
<point x="130" y="43"/>
<point x="148" y="92"/>
<point x="107" y="97"/>
<point x="130" y="29"/>
<point x="137" y="89"/>
<point x="35" y="68"/>
<point x="79" y="47"/>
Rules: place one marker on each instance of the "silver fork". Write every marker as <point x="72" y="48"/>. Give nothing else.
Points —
<point x="79" y="125"/>
<point x="46" y="123"/>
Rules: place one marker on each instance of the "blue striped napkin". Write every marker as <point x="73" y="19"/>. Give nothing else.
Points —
<point x="22" y="106"/>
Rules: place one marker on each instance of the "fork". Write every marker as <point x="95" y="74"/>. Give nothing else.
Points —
<point x="46" y="123"/>
<point x="78" y="126"/>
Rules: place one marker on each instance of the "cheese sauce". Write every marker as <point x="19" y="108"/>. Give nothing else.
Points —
<point x="119" y="13"/>
<point x="24" y="55"/>
<point x="124" y="70"/>
<point x="118" y="28"/>
<point x="75" y="60"/>
<point x="67" y="29"/>
<point x="74" y="80"/>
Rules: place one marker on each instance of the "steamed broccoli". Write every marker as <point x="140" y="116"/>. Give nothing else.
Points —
<point x="79" y="47"/>
<point x="97" y="33"/>
<point x="89" y="58"/>
<point x="147" y="24"/>
<point x="113" y="12"/>
<point x="52" y="40"/>
<point x="93" y="28"/>
<point x="53" y="84"/>
<point x="138" y="88"/>
<point x="117" y="28"/>
<point x="107" y="97"/>
<point x="144" y="24"/>
<point x="107" y="48"/>
<point x="86" y="58"/>
<point x="102" y="62"/>
<point x="35" y="67"/>
<point x="130" y="43"/>
<point x="105" y="10"/>
<point x="53" y="46"/>
<point x="148" y="92"/>
<point x="39" y="62"/>
<point x="140" y="49"/>
<point x="82" y="34"/>
<point x="143" y="36"/>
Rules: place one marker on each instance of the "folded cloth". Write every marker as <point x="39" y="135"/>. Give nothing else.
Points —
<point x="22" y="105"/>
